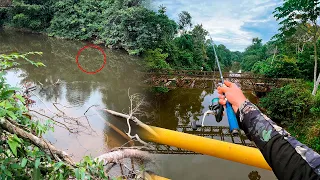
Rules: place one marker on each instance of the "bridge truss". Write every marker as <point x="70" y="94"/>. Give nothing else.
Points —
<point x="204" y="80"/>
<point x="215" y="132"/>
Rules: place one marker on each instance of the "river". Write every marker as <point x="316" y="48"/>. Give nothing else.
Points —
<point x="74" y="91"/>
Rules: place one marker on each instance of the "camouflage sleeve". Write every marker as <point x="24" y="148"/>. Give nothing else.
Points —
<point x="288" y="158"/>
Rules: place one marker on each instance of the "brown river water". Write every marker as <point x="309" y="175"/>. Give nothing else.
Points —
<point x="76" y="91"/>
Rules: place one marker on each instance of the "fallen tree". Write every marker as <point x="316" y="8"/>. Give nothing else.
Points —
<point x="25" y="154"/>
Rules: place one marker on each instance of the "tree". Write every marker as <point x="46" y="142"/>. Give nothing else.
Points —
<point x="279" y="67"/>
<point x="306" y="13"/>
<point x="155" y="59"/>
<point x="162" y="9"/>
<point x="184" y="21"/>
<point x="199" y="39"/>
<point x="254" y="53"/>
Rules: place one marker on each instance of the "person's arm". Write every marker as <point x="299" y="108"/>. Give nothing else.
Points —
<point x="288" y="158"/>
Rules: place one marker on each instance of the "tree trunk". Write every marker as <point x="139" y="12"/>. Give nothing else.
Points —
<point x="315" y="82"/>
<point x="43" y="144"/>
<point x="316" y="85"/>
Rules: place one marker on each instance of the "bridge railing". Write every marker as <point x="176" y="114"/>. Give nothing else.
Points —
<point x="195" y="73"/>
<point x="204" y="80"/>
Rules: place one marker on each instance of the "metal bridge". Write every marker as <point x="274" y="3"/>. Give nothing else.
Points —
<point x="215" y="132"/>
<point x="204" y="80"/>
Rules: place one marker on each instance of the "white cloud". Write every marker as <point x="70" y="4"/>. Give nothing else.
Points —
<point x="225" y="19"/>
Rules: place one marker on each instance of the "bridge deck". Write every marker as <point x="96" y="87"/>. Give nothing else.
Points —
<point x="215" y="132"/>
<point x="204" y="80"/>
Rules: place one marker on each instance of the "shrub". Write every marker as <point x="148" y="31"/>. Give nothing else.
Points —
<point x="307" y="132"/>
<point x="3" y="16"/>
<point x="160" y="89"/>
<point x="315" y="110"/>
<point x="155" y="59"/>
<point x="280" y="67"/>
<point x="288" y="103"/>
<point x="30" y="14"/>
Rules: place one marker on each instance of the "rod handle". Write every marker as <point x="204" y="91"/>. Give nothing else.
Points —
<point x="233" y="122"/>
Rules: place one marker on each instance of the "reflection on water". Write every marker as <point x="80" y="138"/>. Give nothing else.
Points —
<point x="254" y="175"/>
<point x="194" y="167"/>
<point x="181" y="106"/>
<point x="76" y="88"/>
<point x="76" y="91"/>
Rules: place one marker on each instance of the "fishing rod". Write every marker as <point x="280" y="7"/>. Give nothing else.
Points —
<point x="216" y="108"/>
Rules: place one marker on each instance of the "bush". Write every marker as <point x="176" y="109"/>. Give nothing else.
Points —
<point x="315" y="110"/>
<point x="118" y="24"/>
<point x="289" y="103"/>
<point x="307" y="132"/>
<point x="160" y="89"/>
<point x="280" y="67"/>
<point x="3" y="16"/>
<point x="30" y="14"/>
<point x="156" y="60"/>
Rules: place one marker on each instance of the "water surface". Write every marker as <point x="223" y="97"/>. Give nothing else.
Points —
<point x="74" y="91"/>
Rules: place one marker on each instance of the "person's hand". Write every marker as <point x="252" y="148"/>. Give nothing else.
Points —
<point x="233" y="94"/>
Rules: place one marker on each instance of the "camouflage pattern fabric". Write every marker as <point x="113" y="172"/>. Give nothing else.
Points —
<point x="260" y="129"/>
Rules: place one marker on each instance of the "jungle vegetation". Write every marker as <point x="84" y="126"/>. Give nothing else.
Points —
<point x="165" y="44"/>
<point x="124" y="24"/>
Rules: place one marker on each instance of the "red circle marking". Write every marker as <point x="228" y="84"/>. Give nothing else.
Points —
<point x="95" y="47"/>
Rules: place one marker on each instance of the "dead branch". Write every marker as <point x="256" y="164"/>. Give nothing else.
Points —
<point x="87" y="117"/>
<point x="52" y="118"/>
<point x="116" y="156"/>
<point x="134" y="119"/>
<point x="8" y="126"/>
<point x="68" y="120"/>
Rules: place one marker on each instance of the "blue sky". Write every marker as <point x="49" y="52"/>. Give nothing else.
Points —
<point x="230" y="22"/>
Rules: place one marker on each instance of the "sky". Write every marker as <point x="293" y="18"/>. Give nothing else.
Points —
<point x="230" y="22"/>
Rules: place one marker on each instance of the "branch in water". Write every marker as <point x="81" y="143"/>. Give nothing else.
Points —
<point x="8" y="126"/>
<point x="134" y="119"/>
<point x="115" y="156"/>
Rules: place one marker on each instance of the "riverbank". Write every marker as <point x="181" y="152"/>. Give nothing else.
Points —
<point x="294" y="107"/>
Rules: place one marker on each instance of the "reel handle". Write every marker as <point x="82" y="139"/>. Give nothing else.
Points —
<point x="233" y="122"/>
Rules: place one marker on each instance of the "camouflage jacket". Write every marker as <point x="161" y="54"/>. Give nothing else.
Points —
<point x="288" y="158"/>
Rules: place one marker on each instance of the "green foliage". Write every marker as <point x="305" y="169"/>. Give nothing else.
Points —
<point x="124" y="24"/>
<point x="316" y="106"/>
<point x="119" y="25"/>
<point x="35" y="15"/>
<point x="307" y="131"/>
<point x="160" y="89"/>
<point x="8" y="61"/>
<point x="299" y="28"/>
<point x="20" y="158"/>
<point x="155" y="59"/>
<point x="295" y="12"/>
<point x="184" y="20"/>
<point x="279" y="67"/>
<point x="253" y="54"/>
<point x="3" y="16"/>
<point x="288" y="103"/>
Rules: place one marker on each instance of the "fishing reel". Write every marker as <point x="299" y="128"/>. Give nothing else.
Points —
<point x="215" y="109"/>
